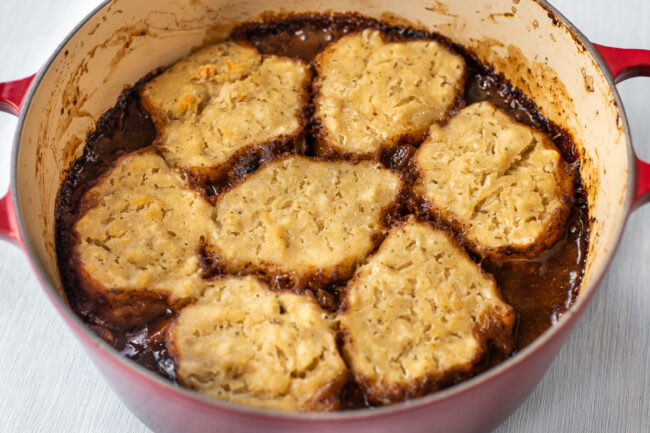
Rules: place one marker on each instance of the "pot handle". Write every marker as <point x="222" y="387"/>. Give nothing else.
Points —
<point x="623" y="64"/>
<point x="12" y="95"/>
<point x="8" y="226"/>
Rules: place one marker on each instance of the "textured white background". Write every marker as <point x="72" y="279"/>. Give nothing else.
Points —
<point x="599" y="383"/>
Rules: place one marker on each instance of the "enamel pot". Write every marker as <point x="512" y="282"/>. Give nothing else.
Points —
<point x="571" y="79"/>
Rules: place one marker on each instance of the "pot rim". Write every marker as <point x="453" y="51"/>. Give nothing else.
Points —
<point x="85" y="332"/>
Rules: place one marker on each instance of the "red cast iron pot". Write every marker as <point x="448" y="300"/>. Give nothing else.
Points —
<point x="571" y="79"/>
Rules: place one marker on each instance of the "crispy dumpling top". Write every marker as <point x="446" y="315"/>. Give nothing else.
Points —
<point x="305" y="218"/>
<point x="142" y="230"/>
<point x="503" y="185"/>
<point x="224" y="99"/>
<point x="245" y="343"/>
<point x="418" y="314"/>
<point x="369" y="93"/>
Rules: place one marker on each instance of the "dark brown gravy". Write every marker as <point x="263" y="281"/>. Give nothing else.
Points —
<point x="540" y="289"/>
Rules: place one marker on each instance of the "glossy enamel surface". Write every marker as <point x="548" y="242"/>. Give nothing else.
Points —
<point x="125" y="39"/>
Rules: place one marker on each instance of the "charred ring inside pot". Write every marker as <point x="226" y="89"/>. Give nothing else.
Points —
<point x="324" y="212"/>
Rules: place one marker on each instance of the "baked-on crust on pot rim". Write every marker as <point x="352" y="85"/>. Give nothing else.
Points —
<point x="306" y="221"/>
<point x="419" y="315"/>
<point x="248" y="344"/>
<point x="227" y="105"/>
<point x="502" y="185"/>
<point x="138" y="238"/>
<point x="370" y="94"/>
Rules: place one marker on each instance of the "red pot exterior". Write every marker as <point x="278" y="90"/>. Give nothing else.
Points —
<point x="477" y="405"/>
<point x="12" y="96"/>
<point x="478" y="409"/>
<point x="624" y="64"/>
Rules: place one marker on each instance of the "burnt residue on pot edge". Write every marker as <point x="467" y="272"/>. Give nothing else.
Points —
<point x="540" y="290"/>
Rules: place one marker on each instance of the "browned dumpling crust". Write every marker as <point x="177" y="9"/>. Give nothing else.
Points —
<point x="141" y="232"/>
<point x="502" y="185"/>
<point x="383" y="245"/>
<point x="419" y="314"/>
<point x="311" y="221"/>
<point x="225" y="102"/>
<point x="370" y="93"/>
<point x="247" y="344"/>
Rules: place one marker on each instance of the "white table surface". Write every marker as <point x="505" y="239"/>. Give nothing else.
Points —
<point x="600" y="382"/>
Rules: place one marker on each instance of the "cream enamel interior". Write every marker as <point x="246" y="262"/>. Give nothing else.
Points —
<point x="127" y="39"/>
